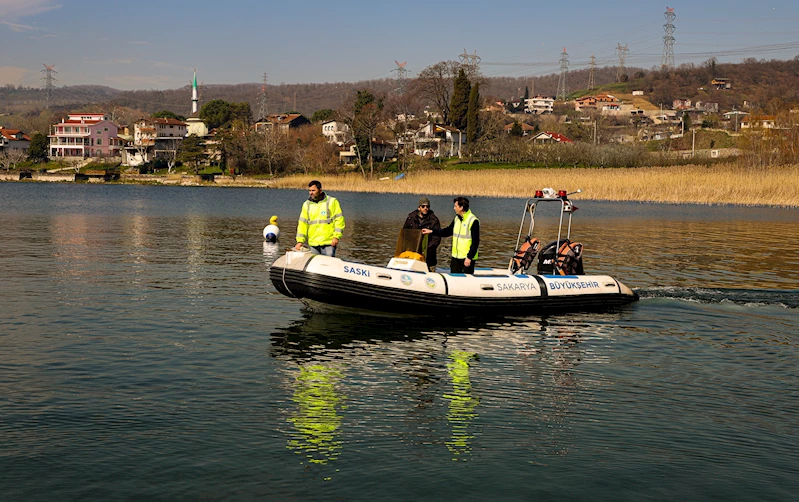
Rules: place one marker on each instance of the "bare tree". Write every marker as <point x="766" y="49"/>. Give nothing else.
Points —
<point x="170" y="152"/>
<point x="144" y="139"/>
<point x="10" y="157"/>
<point x="402" y="108"/>
<point x="75" y="163"/>
<point x="434" y="84"/>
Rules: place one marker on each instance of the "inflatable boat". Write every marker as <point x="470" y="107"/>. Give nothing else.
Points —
<point x="406" y="286"/>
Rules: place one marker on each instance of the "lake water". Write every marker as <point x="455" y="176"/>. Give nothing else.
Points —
<point x="144" y="355"/>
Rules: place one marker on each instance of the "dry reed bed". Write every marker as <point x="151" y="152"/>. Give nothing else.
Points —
<point x="719" y="184"/>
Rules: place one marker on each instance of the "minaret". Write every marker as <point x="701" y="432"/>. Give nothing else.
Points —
<point x="194" y="94"/>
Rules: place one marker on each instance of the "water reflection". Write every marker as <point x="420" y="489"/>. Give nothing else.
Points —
<point x="272" y="251"/>
<point x="424" y="377"/>
<point x="462" y="405"/>
<point x="317" y="420"/>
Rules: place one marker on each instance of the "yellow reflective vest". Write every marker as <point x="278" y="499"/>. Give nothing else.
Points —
<point x="320" y="222"/>
<point x="462" y="235"/>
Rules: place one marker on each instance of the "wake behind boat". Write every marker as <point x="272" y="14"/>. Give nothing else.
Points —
<point x="406" y="286"/>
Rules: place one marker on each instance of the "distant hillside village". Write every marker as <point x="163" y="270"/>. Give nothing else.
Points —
<point x="427" y="122"/>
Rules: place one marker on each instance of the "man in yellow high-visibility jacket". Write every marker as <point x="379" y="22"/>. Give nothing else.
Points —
<point x="465" y="232"/>
<point x="321" y="223"/>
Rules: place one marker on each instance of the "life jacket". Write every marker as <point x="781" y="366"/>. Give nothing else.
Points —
<point x="570" y="258"/>
<point x="525" y="255"/>
<point x="561" y="258"/>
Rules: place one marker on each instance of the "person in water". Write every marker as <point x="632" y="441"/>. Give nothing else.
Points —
<point x="424" y="217"/>
<point x="321" y="223"/>
<point x="465" y="232"/>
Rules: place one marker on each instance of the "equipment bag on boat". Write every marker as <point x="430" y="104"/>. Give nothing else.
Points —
<point x="568" y="260"/>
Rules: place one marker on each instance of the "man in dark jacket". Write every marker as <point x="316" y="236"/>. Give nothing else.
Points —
<point x="424" y="217"/>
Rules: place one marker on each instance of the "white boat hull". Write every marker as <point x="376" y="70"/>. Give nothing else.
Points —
<point x="406" y="287"/>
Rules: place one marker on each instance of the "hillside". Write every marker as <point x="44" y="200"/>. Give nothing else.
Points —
<point x="760" y="85"/>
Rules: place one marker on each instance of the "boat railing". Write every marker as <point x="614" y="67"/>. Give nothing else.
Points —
<point x="530" y="206"/>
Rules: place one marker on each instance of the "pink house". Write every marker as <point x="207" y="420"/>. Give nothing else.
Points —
<point x="85" y="135"/>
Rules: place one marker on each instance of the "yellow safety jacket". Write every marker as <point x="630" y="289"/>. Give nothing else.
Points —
<point x="462" y="235"/>
<point x="320" y="222"/>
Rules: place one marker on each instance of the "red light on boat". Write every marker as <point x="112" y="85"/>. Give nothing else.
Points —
<point x="539" y="193"/>
<point x="562" y="193"/>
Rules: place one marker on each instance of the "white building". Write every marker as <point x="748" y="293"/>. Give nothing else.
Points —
<point x="155" y="137"/>
<point x="539" y="105"/>
<point x="336" y="132"/>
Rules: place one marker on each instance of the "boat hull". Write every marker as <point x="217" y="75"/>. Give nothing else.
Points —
<point x="350" y="286"/>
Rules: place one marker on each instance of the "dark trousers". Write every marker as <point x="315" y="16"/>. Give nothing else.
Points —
<point x="456" y="266"/>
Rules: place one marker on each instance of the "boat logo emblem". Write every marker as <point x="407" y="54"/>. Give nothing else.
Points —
<point x="406" y="279"/>
<point x="431" y="283"/>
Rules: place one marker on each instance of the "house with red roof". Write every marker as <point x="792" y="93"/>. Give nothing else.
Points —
<point x="13" y="139"/>
<point x="527" y="129"/>
<point x="546" y="137"/>
<point x="154" y="138"/>
<point x="281" y="121"/>
<point x="85" y="135"/>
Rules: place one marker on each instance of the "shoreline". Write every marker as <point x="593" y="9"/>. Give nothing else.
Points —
<point x="702" y="185"/>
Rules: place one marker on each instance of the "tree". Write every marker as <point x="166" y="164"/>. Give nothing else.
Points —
<point x="166" y="114"/>
<point x="459" y="104"/>
<point x="192" y="151"/>
<point x="241" y="112"/>
<point x="472" y="118"/>
<point x="218" y="113"/>
<point x="516" y="131"/>
<point x="275" y="150"/>
<point x="362" y="113"/>
<point x="170" y="152"/>
<point x="434" y="84"/>
<point x="367" y="114"/>
<point x="38" y="149"/>
<point x="215" y="113"/>
<point x="322" y="115"/>
<point x="686" y="121"/>
<point x="10" y="157"/>
<point x="401" y="106"/>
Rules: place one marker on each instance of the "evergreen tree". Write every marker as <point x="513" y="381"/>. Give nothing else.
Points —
<point x="472" y="119"/>
<point x="192" y="151"/>
<point x="322" y="115"/>
<point x="215" y="113"/>
<point x="459" y="104"/>
<point x="38" y="149"/>
<point x="166" y="114"/>
<point x="516" y="131"/>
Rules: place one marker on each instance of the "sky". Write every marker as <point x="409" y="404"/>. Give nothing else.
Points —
<point x="148" y="44"/>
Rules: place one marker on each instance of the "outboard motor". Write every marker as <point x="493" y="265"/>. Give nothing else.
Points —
<point x="566" y="259"/>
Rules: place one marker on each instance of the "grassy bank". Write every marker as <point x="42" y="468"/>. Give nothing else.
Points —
<point x="717" y="184"/>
